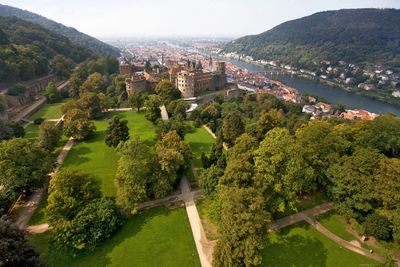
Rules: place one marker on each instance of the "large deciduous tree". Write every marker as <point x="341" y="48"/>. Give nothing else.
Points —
<point x="94" y="83"/>
<point x="15" y="250"/>
<point x="167" y="91"/>
<point x="153" y="112"/>
<point x="133" y="174"/>
<point x="243" y="227"/>
<point x="49" y="135"/>
<point x="137" y="99"/>
<point x="51" y="93"/>
<point x="77" y="124"/>
<point x="68" y="193"/>
<point x="232" y="127"/>
<point x="116" y="132"/>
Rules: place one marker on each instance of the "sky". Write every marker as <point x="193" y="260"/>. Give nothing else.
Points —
<point x="161" y="18"/>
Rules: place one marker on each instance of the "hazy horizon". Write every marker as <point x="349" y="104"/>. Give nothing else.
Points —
<point x="179" y="18"/>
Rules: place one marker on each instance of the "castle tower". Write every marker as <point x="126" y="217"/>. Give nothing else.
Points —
<point x="185" y="83"/>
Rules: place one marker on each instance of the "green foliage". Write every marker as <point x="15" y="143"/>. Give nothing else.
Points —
<point x="15" y="250"/>
<point x="232" y="127"/>
<point x="51" y="93"/>
<point x="137" y="100"/>
<point x="396" y="227"/>
<point x="94" y="83"/>
<point x="16" y="90"/>
<point x="80" y="39"/>
<point x="38" y="121"/>
<point x="69" y="192"/>
<point x="361" y="36"/>
<point x="62" y="66"/>
<point x="378" y="226"/>
<point x="10" y="130"/>
<point x="133" y="174"/>
<point x="117" y="131"/>
<point x="388" y="184"/>
<point x="23" y="166"/>
<point x="177" y="124"/>
<point x="268" y="121"/>
<point x="244" y="223"/>
<point x="153" y="112"/>
<point x="354" y="179"/>
<point x="167" y="91"/>
<point x="93" y="224"/>
<point x="49" y="135"/>
<point x="31" y="48"/>
<point x="178" y="107"/>
<point x="209" y="179"/>
<point x="77" y="124"/>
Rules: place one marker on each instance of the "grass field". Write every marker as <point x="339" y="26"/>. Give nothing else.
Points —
<point x="210" y="228"/>
<point x="199" y="141"/>
<point x="336" y="225"/>
<point x="155" y="237"/>
<point x="95" y="157"/>
<point x="49" y="111"/>
<point x="301" y="245"/>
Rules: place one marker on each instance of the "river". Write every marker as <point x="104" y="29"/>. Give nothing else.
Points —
<point x="331" y="94"/>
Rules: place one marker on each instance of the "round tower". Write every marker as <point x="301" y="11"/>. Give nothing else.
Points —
<point x="185" y="83"/>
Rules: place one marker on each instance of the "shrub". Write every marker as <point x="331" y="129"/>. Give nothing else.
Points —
<point x="378" y="226"/>
<point x="38" y="121"/>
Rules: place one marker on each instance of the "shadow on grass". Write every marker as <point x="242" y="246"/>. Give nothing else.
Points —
<point x="294" y="250"/>
<point x="103" y="254"/>
<point x="79" y="157"/>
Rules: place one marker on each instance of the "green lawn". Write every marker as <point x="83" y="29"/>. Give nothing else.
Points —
<point x="32" y="131"/>
<point x="49" y="111"/>
<point x="336" y="225"/>
<point x="155" y="237"/>
<point x="199" y="141"/>
<point x="210" y="227"/>
<point x="95" y="157"/>
<point x="301" y="245"/>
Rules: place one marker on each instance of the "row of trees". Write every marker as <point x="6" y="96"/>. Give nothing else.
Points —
<point x="276" y="155"/>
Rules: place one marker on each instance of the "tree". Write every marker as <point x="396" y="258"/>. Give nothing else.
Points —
<point x="133" y="174"/>
<point x="267" y="121"/>
<point x="167" y="91"/>
<point x="396" y="227"/>
<point x="69" y="192"/>
<point x="209" y="179"/>
<point x="94" y="83"/>
<point x="244" y="148"/>
<point x="23" y="166"/>
<point x="93" y="224"/>
<point x="388" y="184"/>
<point x="77" y="124"/>
<point x="232" y="127"/>
<point x="74" y="86"/>
<point x="137" y="99"/>
<point x="172" y="154"/>
<point x="378" y="226"/>
<point x="153" y="112"/>
<point x="91" y="104"/>
<point x="177" y="124"/>
<point x="49" y="135"/>
<point x="178" y="107"/>
<point x="353" y="182"/>
<point x="18" y="129"/>
<point x="15" y="250"/>
<point x="243" y="227"/>
<point x="51" y="93"/>
<point x="117" y="131"/>
<point x="276" y="174"/>
<point x="6" y="132"/>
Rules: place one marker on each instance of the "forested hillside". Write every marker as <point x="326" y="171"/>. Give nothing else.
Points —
<point x="74" y="35"/>
<point x="359" y="36"/>
<point x="28" y="51"/>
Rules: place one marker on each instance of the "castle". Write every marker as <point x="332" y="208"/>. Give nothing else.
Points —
<point x="191" y="78"/>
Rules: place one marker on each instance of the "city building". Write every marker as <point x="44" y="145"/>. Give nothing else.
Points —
<point x="135" y="83"/>
<point x="125" y="69"/>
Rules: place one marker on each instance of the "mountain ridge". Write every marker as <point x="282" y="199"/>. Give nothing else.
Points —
<point x="355" y="35"/>
<point x="77" y="37"/>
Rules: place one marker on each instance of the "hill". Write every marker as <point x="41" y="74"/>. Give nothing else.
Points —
<point x="74" y="35"/>
<point x="360" y="36"/>
<point x="28" y="51"/>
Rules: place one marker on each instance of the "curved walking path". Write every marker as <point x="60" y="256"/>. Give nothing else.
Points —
<point x="320" y="228"/>
<point x="214" y="136"/>
<point x="203" y="246"/>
